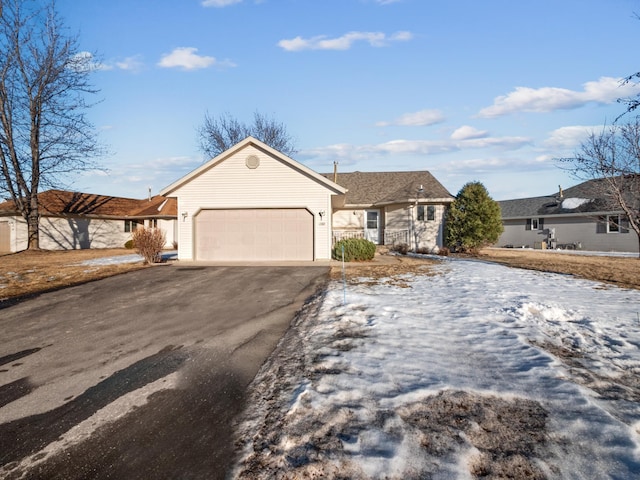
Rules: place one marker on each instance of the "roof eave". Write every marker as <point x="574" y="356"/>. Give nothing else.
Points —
<point x="571" y="214"/>
<point x="337" y="189"/>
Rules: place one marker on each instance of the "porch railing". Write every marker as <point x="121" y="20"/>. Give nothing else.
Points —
<point x="342" y="234"/>
<point x="391" y="237"/>
<point x="395" y="237"/>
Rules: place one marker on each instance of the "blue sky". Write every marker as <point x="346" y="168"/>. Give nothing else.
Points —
<point x="491" y="91"/>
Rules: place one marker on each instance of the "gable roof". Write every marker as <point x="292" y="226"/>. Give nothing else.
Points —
<point x="66" y="203"/>
<point x="261" y="146"/>
<point x="385" y="188"/>
<point x="157" y="206"/>
<point x="586" y="197"/>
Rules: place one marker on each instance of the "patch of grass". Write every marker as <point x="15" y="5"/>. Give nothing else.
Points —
<point x="619" y="271"/>
<point x="32" y="272"/>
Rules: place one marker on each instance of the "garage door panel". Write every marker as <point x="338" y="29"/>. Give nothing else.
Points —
<point x="254" y="235"/>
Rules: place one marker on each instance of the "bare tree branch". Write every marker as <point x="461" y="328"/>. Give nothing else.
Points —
<point x="218" y="134"/>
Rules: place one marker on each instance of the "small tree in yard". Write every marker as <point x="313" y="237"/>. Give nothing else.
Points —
<point x="149" y="243"/>
<point x="474" y="220"/>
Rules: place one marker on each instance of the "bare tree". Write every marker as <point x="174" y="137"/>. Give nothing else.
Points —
<point x="612" y="157"/>
<point x="632" y="103"/>
<point x="218" y="134"/>
<point x="44" y="133"/>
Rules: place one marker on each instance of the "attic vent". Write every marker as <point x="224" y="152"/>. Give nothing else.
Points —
<point x="252" y="162"/>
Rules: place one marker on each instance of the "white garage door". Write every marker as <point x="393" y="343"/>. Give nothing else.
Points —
<point x="254" y="235"/>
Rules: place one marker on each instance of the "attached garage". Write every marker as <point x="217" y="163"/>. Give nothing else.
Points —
<point x="262" y="234"/>
<point x="252" y="203"/>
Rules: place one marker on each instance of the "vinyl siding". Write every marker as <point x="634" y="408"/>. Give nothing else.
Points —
<point x="348" y="220"/>
<point x="569" y="229"/>
<point x="398" y="217"/>
<point x="74" y="233"/>
<point x="230" y="184"/>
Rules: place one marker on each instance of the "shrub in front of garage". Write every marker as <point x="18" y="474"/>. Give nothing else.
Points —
<point x="149" y="243"/>
<point x="355" y="250"/>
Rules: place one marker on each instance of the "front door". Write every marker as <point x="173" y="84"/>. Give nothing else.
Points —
<point x="372" y="226"/>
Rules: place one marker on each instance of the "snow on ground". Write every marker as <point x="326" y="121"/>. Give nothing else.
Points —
<point x="119" y="259"/>
<point x="479" y="370"/>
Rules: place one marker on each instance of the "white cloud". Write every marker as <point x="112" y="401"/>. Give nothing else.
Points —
<point x="466" y="132"/>
<point x="322" y="42"/>
<point x="547" y="99"/>
<point x="505" y="143"/>
<point x="219" y="3"/>
<point x="353" y="153"/>
<point x="569" y="137"/>
<point x="130" y="64"/>
<point x="186" y="58"/>
<point x="476" y="164"/>
<point x="416" y="119"/>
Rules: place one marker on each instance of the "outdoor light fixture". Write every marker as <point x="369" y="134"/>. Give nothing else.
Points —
<point x="184" y="216"/>
<point x="321" y="213"/>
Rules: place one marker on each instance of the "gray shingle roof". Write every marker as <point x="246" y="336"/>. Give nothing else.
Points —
<point x="593" y="191"/>
<point x="379" y="188"/>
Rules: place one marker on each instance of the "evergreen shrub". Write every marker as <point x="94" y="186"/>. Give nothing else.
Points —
<point x="355" y="250"/>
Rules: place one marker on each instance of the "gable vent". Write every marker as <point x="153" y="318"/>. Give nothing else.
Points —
<point x="252" y="162"/>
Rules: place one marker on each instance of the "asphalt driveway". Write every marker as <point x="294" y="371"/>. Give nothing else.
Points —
<point x="139" y="375"/>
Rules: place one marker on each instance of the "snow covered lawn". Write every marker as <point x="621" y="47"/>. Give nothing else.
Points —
<point x="474" y="370"/>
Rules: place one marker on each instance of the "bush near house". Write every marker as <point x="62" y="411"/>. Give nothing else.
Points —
<point x="149" y="243"/>
<point x="355" y="250"/>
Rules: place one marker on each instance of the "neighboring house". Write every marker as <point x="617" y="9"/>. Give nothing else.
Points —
<point x="253" y="203"/>
<point x="579" y="217"/>
<point x="392" y="207"/>
<point x="73" y="220"/>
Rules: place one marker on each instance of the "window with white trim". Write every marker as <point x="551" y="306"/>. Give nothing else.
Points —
<point x="428" y="214"/>
<point x="534" y="224"/>
<point x="617" y="224"/>
<point x="130" y="225"/>
<point x="431" y="213"/>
